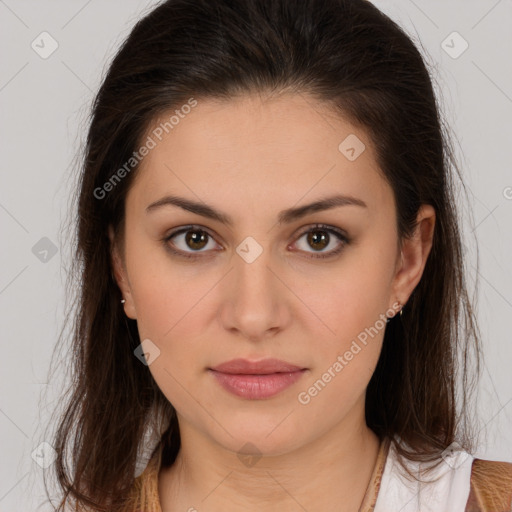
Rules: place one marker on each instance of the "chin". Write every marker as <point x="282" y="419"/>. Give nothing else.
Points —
<point x="259" y="437"/>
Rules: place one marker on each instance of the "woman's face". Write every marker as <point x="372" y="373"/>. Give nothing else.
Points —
<point x="268" y="283"/>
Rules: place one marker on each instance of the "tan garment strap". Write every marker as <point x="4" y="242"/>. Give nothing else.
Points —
<point x="370" y="496"/>
<point x="491" y="487"/>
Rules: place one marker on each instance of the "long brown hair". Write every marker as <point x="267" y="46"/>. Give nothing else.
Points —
<point x="345" y="53"/>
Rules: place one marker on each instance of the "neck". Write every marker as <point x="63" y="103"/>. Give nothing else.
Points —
<point x="330" y="473"/>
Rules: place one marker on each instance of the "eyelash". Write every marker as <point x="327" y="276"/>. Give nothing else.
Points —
<point x="317" y="227"/>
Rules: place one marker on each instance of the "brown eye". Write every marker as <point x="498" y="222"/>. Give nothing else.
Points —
<point x="187" y="241"/>
<point x="196" y="239"/>
<point x="191" y="239"/>
<point x="320" y="237"/>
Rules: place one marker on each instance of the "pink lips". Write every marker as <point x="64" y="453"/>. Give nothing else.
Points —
<point x="256" y="380"/>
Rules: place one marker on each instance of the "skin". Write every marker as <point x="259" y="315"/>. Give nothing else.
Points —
<point x="251" y="157"/>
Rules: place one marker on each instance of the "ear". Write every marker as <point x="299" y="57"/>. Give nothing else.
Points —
<point x="413" y="255"/>
<point x="121" y="276"/>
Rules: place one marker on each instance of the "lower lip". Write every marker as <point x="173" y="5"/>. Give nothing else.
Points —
<point x="256" y="387"/>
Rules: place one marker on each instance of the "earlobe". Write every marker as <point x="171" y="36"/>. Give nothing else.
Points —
<point x="414" y="254"/>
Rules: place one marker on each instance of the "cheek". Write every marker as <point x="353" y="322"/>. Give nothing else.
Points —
<point x="350" y="298"/>
<point x="163" y="291"/>
<point x="344" y="362"/>
<point x="170" y="313"/>
<point x="352" y="303"/>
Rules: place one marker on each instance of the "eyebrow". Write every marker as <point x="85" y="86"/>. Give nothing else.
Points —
<point x="285" y="216"/>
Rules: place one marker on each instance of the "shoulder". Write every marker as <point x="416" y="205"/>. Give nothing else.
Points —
<point x="490" y="486"/>
<point x="458" y="483"/>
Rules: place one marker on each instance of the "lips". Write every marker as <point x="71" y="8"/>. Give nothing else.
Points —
<point x="263" y="367"/>
<point x="256" y="380"/>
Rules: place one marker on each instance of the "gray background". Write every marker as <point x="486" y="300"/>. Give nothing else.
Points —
<point x="44" y="106"/>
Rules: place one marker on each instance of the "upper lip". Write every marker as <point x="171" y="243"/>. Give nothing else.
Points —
<point x="262" y="367"/>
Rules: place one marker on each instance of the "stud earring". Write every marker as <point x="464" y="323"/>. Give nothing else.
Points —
<point x="394" y="316"/>
<point x="123" y="301"/>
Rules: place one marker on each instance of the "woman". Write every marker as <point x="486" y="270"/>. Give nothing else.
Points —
<point x="273" y="293"/>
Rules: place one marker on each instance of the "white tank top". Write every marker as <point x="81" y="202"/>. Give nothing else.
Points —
<point x="448" y="494"/>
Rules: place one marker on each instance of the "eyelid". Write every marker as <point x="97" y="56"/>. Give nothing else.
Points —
<point x="183" y="229"/>
<point x="325" y="227"/>
<point x="339" y="233"/>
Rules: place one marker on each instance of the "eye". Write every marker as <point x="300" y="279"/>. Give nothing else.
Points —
<point x="190" y="237"/>
<point x="319" y="237"/>
<point x="194" y="239"/>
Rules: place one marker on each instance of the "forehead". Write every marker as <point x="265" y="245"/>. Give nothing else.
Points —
<point x="253" y="150"/>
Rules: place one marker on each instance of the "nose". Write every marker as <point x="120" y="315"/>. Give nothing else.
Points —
<point x="255" y="298"/>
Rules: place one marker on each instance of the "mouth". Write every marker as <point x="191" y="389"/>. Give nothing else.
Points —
<point x="256" y="380"/>
<point x="262" y="367"/>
